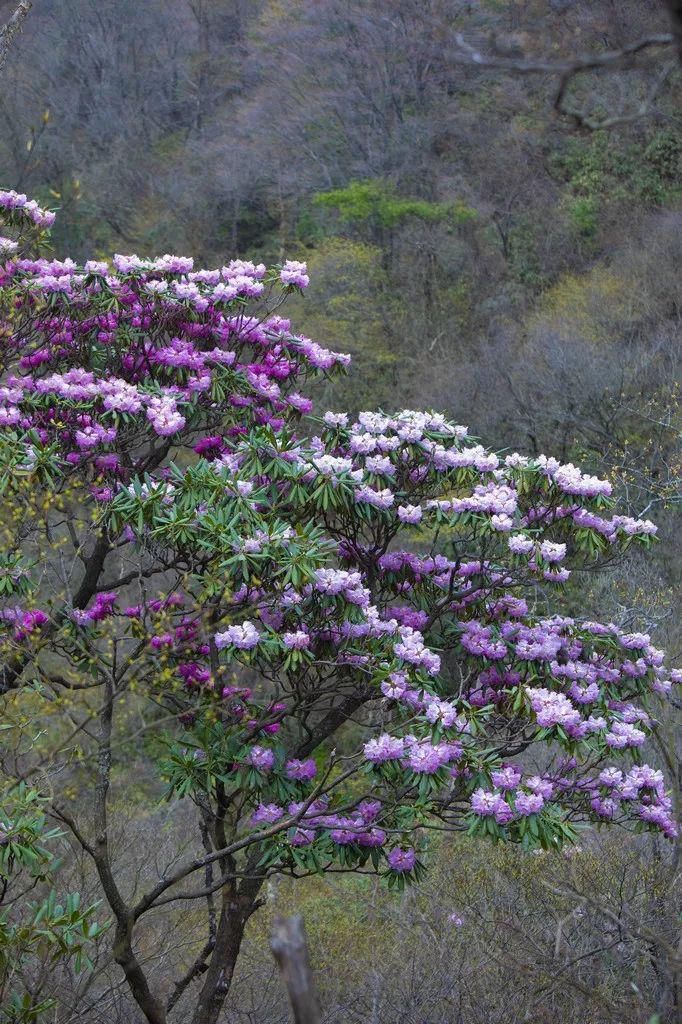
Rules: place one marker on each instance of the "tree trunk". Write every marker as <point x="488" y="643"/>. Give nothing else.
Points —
<point x="236" y="909"/>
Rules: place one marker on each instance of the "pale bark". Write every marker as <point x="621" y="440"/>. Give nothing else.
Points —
<point x="11" y="30"/>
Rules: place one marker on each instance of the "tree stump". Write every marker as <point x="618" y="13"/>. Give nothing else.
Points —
<point x="290" y="949"/>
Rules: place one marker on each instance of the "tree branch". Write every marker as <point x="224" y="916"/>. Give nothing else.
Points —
<point x="568" y="69"/>
<point x="585" y="62"/>
<point x="11" y="29"/>
<point x="675" y="11"/>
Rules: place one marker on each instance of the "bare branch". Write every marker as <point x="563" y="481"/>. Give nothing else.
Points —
<point x="11" y="29"/>
<point x="568" y="69"/>
<point x="586" y="62"/>
<point x="675" y="11"/>
<point x="584" y="120"/>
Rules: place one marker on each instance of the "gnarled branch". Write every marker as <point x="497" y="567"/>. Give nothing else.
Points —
<point x="567" y="70"/>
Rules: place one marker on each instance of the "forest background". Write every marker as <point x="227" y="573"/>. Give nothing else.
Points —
<point x="477" y="251"/>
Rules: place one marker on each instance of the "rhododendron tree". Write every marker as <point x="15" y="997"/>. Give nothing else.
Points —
<point x="333" y="633"/>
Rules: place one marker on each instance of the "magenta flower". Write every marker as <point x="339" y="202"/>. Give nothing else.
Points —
<point x="493" y="805"/>
<point x="528" y="803"/>
<point x="261" y="758"/>
<point x="296" y="641"/>
<point x="402" y="861"/>
<point x="384" y="748"/>
<point x="507" y="777"/>
<point x="244" y="637"/>
<point x="267" y="814"/>
<point x="302" y="771"/>
<point x="294" y="273"/>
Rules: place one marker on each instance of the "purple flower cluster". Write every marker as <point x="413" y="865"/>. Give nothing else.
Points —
<point x="294" y="273"/>
<point x="244" y="637"/>
<point x="261" y="758"/>
<point x="17" y="201"/>
<point x="402" y="861"/>
<point x="306" y="531"/>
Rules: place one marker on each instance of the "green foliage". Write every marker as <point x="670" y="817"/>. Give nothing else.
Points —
<point x="23" y="834"/>
<point x="583" y="214"/>
<point x="350" y="300"/>
<point x="595" y="306"/>
<point x="523" y="254"/>
<point x="14" y="574"/>
<point x="663" y="156"/>
<point x="45" y="931"/>
<point x="380" y="202"/>
<point x="605" y="168"/>
<point x="82" y="223"/>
